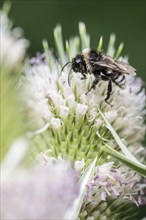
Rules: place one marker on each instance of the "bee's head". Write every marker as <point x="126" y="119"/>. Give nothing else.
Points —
<point x="78" y="64"/>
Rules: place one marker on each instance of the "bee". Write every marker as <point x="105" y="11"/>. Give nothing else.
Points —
<point x="102" y="66"/>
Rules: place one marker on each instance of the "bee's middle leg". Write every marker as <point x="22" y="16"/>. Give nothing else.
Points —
<point x="109" y="90"/>
<point x="96" y="80"/>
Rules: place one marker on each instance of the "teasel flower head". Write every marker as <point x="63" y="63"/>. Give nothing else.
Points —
<point x="109" y="189"/>
<point x="73" y="119"/>
<point x="76" y="126"/>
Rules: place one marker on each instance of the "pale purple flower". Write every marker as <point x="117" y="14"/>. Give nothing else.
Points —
<point x="109" y="181"/>
<point x="43" y="192"/>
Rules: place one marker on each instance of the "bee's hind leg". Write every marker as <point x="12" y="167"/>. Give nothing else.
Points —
<point x="93" y="85"/>
<point x="120" y="83"/>
<point x="109" y="90"/>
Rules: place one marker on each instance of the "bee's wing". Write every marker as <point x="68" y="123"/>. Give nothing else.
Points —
<point x="116" y="65"/>
<point x="125" y="68"/>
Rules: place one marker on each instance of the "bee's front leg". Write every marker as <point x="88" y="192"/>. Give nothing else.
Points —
<point x="83" y="76"/>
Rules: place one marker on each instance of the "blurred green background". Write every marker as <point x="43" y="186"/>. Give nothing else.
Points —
<point x="125" y="18"/>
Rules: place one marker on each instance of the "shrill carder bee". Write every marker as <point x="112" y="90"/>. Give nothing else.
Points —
<point x="102" y="66"/>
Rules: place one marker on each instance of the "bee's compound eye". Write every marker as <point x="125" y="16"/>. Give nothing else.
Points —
<point x="78" y="64"/>
<point x="77" y="67"/>
<point x="78" y="61"/>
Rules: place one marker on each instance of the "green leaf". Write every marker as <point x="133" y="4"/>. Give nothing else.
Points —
<point x="111" y="48"/>
<point x="118" y="139"/>
<point x="73" y="213"/>
<point x="140" y="168"/>
<point x="99" y="48"/>
<point x="130" y="161"/>
<point x="72" y="47"/>
<point x="49" y="58"/>
<point x="59" y="44"/>
<point x="85" y="38"/>
<point x="119" y="51"/>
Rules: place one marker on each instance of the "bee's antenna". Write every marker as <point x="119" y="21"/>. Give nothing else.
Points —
<point x="65" y="66"/>
<point x="69" y="82"/>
